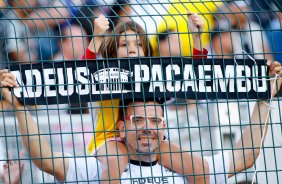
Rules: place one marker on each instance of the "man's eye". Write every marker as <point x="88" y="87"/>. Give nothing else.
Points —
<point x="138" y="119"/>
<point x="154" y="120"/>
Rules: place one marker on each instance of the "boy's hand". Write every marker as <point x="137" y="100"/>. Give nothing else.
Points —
<point x="275" y="68"/>
<point x="101" y="25"/>
<point x="196" y="23"/>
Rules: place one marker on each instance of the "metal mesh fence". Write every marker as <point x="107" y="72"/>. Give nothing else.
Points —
<point x="176" y="141"/>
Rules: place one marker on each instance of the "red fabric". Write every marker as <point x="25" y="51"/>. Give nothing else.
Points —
<point x="198" y="54"/>
<point x="89" y="54"/>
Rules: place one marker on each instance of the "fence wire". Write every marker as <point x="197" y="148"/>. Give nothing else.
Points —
<point x="133" y="140"/>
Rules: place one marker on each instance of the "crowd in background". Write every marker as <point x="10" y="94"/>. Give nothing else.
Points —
<point x="58" y="30"/>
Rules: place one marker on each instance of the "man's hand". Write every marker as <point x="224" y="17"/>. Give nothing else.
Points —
<point x="196" y="23"/>
<point x="275" y="68"/>
<point x="8" y="80"/>
<point x="13" y="170"/>
<point x="101" y="25"/>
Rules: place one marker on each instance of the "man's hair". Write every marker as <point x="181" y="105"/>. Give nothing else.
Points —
<point x="162" y="36"/>
<point x="125" y="104"/>
<point x="109" y="49"/>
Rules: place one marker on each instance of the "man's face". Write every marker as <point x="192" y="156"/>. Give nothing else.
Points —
<point x="170" y="46"/>
<point x="25" y="5"/>
<point x="144" y="127"/>
<point x="236" y="15"/>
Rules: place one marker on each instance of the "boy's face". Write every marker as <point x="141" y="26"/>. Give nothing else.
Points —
<point x="130" y="45"/>
<point x="146" y="136"/>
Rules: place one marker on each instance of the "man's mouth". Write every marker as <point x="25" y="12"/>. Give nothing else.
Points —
<point x="146" y="139"/>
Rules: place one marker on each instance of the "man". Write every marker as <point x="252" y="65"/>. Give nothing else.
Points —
<point x="141" y="130"/>
<point x="238" y="32"/>
<point x="18" y="44"/>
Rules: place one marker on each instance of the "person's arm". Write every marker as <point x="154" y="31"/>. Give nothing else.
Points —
<point x="38" y="147"/>
<point x="101" y="25"/>
<point x="193" y="166"/>
<point x="196" y="26"/>
<point x="35" y="144"/>
<point x="248" y="147"/>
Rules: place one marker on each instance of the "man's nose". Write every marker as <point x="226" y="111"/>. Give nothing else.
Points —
<point x="147" y="125"/>
<point x="146" y="131"/>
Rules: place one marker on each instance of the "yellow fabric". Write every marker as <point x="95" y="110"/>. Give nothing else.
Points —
<point x="177" y="20"/>
<point x="106" y="121"/>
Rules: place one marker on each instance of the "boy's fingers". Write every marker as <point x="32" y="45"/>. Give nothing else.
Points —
<point x="101" y="15"/>
<point x="106" y="22"/>
<point x="104" y="18"/>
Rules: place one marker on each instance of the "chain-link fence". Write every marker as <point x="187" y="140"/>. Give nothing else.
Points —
<point x="114" y="130"/>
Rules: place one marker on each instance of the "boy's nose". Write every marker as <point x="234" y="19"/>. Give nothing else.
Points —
<point x="132" y="50"/>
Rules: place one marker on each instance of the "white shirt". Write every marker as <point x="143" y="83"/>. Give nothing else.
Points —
<point x="147" y="13"/>
<point x="147" y="173"/>
<point x="89" y="170"/>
